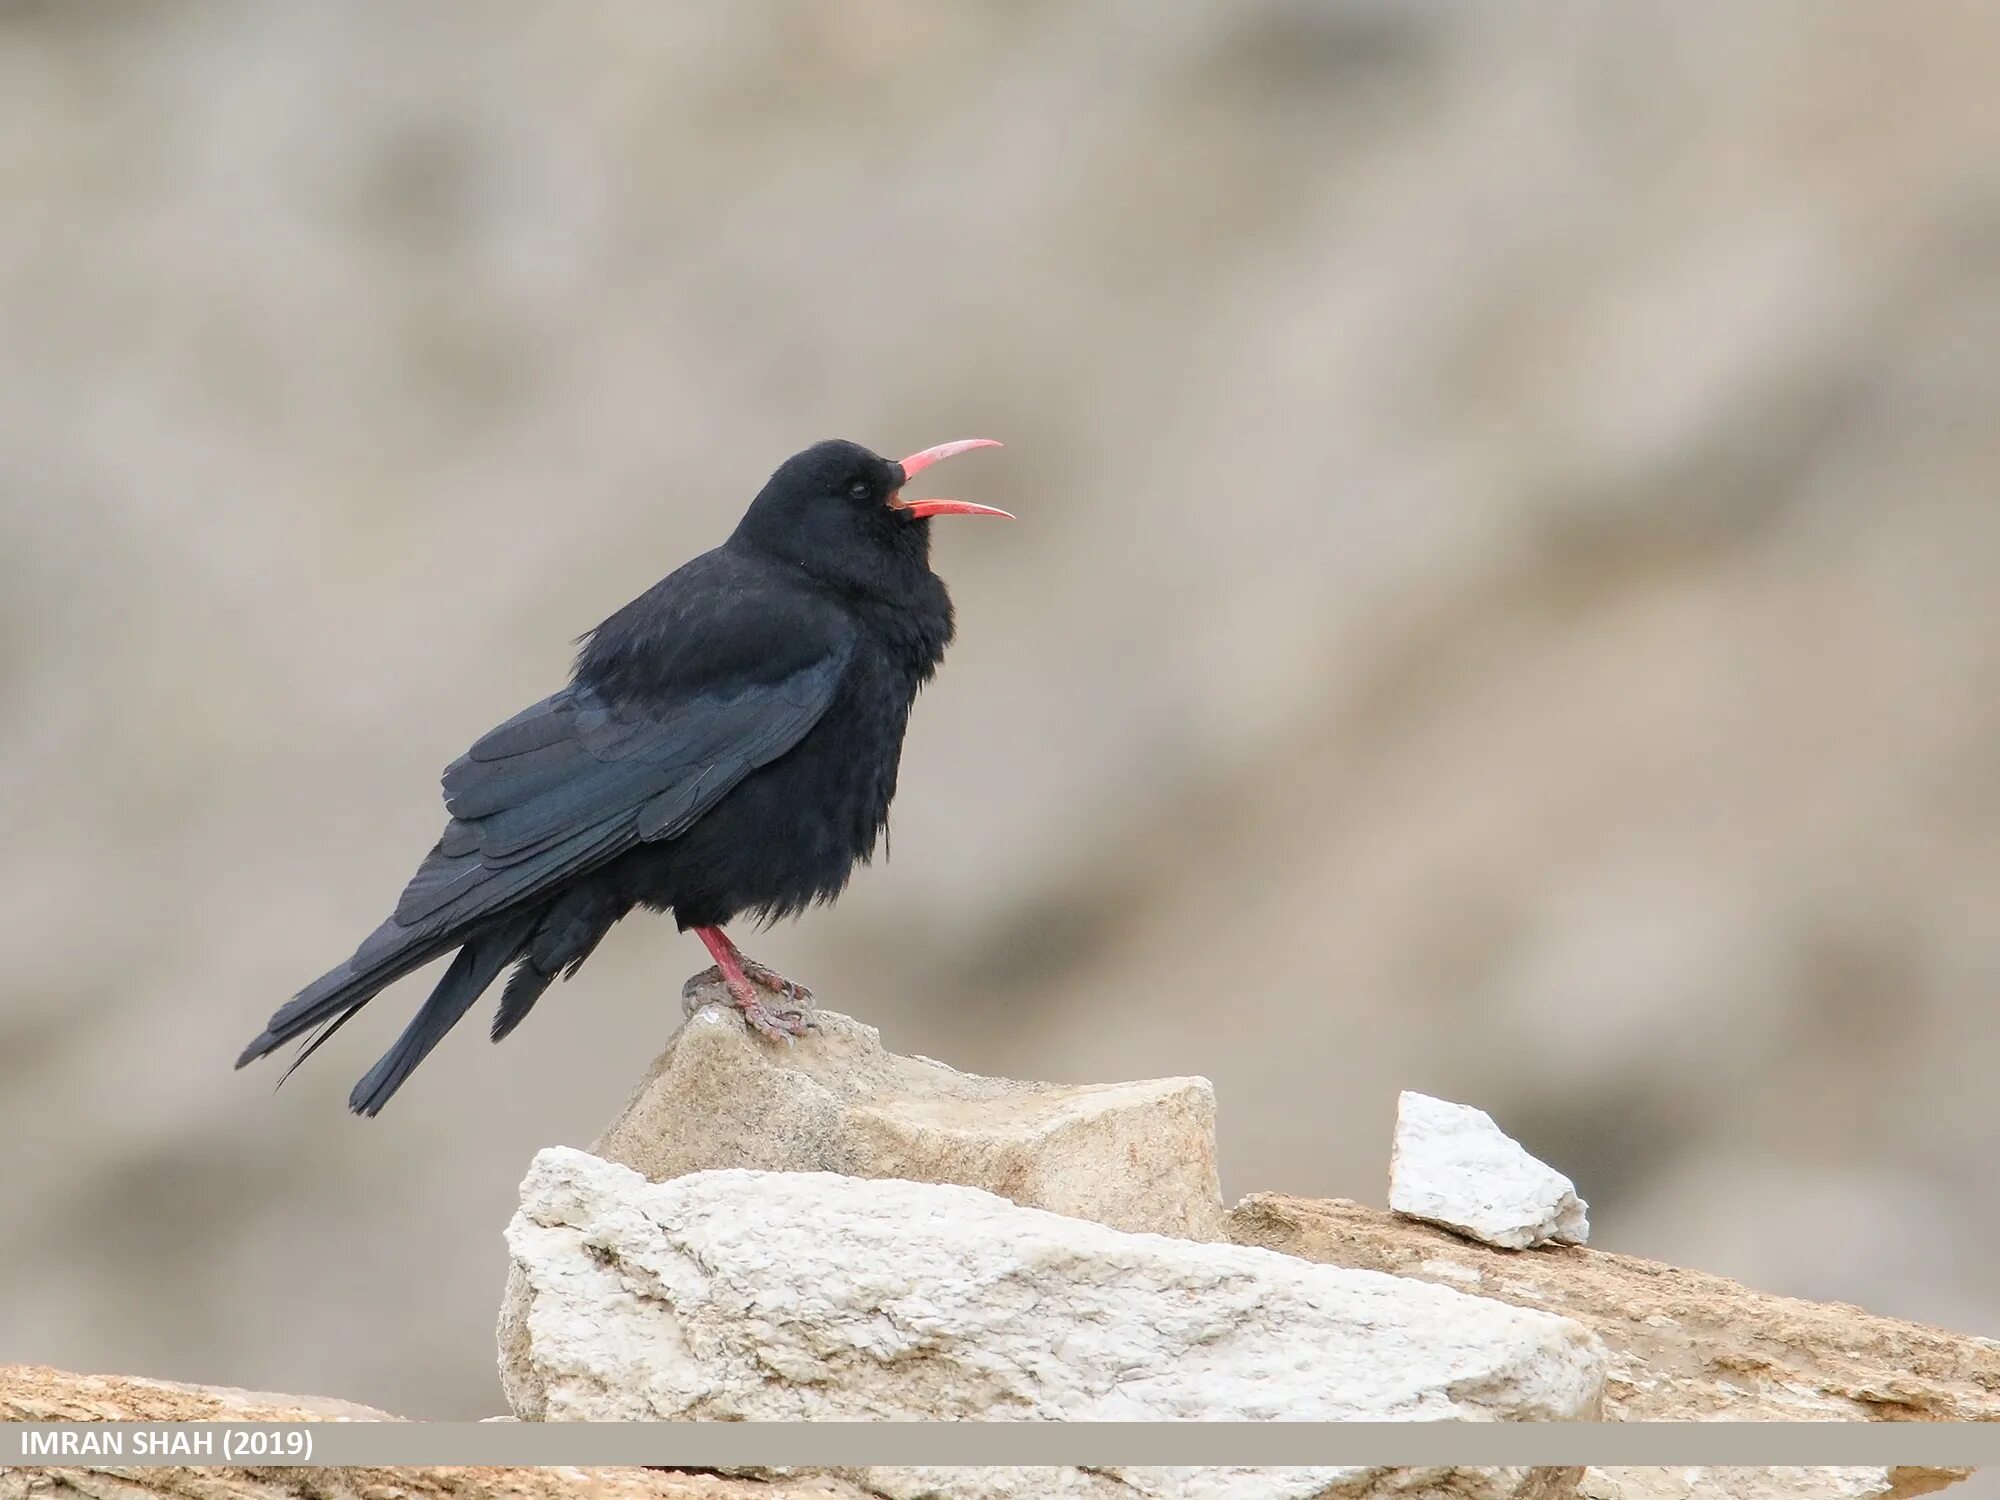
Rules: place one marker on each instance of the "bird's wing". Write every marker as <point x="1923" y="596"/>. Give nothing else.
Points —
<point x="576" y="780"/>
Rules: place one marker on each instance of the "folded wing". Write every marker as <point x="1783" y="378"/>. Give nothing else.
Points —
<point x="573" y="782"/>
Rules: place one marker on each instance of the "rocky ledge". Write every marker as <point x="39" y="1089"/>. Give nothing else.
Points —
<point x="833" y="1232"/>
<point x="34" y="1393"/>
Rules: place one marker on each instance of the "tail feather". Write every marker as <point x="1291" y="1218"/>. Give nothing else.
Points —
<point x="316" y="1041"/>
<point x="524" y="988"/>
<point x="551" y="941"/>
<point x="340" y="992"/>
<point x="566" y="936"/>
<point x="478" y="964"/>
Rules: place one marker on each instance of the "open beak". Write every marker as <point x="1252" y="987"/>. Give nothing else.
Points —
<point x="916" y="463"/>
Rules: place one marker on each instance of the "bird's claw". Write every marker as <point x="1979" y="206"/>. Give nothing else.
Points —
<point x="691" y="992"/>
<point x="770" y="979"/>
<point x="783" y="1023"/>
<point x="778" y="1025"/>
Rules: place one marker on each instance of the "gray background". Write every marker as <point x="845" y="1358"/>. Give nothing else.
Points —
<point x="1504" y="600"/>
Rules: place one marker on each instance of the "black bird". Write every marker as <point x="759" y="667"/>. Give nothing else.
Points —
<point x="728" y="743"/>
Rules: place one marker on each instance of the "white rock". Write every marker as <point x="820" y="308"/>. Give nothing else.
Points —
<point x="1452" y="1165"/>
<point x="730" y="1295"/>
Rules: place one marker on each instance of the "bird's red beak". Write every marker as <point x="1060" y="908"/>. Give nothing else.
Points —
<point x="916" y="463"/>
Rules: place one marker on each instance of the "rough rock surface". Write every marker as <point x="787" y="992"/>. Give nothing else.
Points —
<point x="784" y="1296"/>
<point x="1149" y="1483"/>
<point x="37" y="1393"/>
<point x="1684" y="1345"/>
<point x="1137" y="1156"/>
<point x="1452" y="1165"/>
<point x="34" y="1393"/>
<point x="1820" y="1482"/>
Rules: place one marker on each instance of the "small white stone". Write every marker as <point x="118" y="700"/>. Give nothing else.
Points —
<point x="1452" y="1165"/>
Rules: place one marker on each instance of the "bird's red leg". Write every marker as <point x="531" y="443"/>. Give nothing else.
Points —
<point x="744" y="976"/>
<point x="762" y="975"/>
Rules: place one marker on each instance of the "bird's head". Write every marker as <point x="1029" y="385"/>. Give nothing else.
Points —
<point x="837" y="507"/>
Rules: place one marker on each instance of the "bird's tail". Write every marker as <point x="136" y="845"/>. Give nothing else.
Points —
<point x="478" y="964"/>
<point x="563" y="939"/>
<point x="330" y="1001"/>
<point x="327" y="1003"/>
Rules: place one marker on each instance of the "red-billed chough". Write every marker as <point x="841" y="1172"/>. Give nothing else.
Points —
<point x="728" y="743"/>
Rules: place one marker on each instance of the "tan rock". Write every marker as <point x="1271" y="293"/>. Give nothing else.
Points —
<point x="1684" y="1345"/>
<point x="35" y="1393"/>
<point x="1137" y="1156"/>
<point x="1464" y="1482"/>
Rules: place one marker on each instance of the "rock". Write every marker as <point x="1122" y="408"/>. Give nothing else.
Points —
<point x="1137" y="1156"/>
<point x="1152" y="1483"/>
<point x="1453" y="1166"/>
<point x="1134" y="1156"/>
<point x="1684" y="1346"/>
<point x="728" y="1295"/>
<point x="1819" y="1482"/>
<point x="35" y="1393"/>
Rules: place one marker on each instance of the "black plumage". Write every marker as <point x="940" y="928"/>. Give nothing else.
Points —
<point x="727" y="745"/>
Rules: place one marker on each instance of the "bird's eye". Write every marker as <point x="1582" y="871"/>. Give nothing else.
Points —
<point x="860" y="489"/>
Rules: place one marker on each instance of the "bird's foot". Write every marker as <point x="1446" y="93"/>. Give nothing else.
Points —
<point x="792" y="1018"/>
<point x="779" y="1025"/>
<point x="765" y="977"/>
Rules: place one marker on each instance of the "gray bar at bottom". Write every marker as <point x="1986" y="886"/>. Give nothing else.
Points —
<point x="706" y="1445"/>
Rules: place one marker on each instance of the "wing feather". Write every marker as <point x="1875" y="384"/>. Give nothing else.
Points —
<point x="574" y="782"/>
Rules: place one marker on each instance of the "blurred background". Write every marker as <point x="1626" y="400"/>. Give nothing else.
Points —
<point x="1504" y="602"/>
